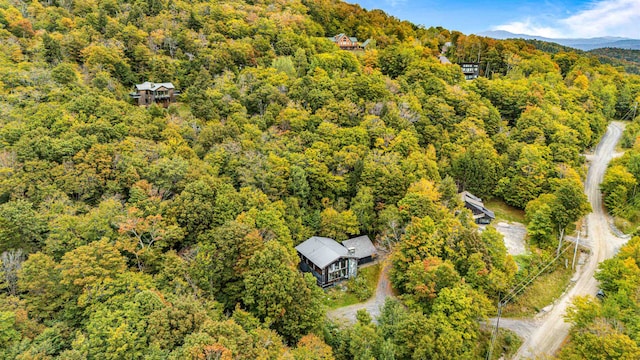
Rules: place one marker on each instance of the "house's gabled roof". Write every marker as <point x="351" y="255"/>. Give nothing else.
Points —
<point x="337" y="37"/>
<point x="363" y="246"/>
<point x="322" y="251"/>
<point x="353" y="39"/>
<point x="153" y="86"/>
<point x="365" y="43"/>
<point x="475" y="202"/>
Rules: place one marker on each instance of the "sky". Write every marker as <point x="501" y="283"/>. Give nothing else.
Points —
<point x="555" y="19"/>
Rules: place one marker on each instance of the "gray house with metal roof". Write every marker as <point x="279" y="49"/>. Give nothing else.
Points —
<point x="330" y="261"/>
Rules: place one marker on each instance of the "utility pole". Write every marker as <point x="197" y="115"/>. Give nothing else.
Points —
<point x="575" y="251"/>
<point x="494" y="333"/>
<point x="478" y="69"/>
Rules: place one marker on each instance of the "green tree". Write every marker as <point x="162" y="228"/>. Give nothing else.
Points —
<point x="365" y="340"/>
<point x="454" y="325"/>
<point x="427" y="278"/>
<point x="170" y="324"/>
<point x="540" y="227"/>
<point x="52" y="49"/>
<point x="363" y="207"/>
<point x="223" y="258"/>
<point x="279" y="295"/>
<point x="570" y="205"/>
<point x="422" y="200"/>
<point x="395" y="60"/>
<point x="478" y="169"/>
<point x="617" y="187"/>
<point x="8" y="332"/>
<point x="423" y="239"/>
<point x="204" y="203"/>
<point x="527" y="178"/>
<point x="338" y="225"/>
<point x="64" y="74"/>
<point x="20" y="226"/>
<point x="39" y="278"/>
<point x="89" y="265"/>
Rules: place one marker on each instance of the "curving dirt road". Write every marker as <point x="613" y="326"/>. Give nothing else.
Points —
<point x="550" y="330"/>
<point x="373" y="305"/>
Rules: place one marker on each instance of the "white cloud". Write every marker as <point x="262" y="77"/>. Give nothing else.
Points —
<point x="527" y="27"/>
<point x="601" y="18"/>
<point x="606" y="17"/>
<point x="395" y="3"/>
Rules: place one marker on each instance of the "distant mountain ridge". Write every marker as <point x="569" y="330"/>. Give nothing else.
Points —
<point x="582" y="44"/>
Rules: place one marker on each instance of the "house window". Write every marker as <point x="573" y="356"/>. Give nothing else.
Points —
<point x="338" y="270"/>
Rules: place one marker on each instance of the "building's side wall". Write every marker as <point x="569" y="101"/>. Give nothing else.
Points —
<point x="365" y="260"/>
<point x="142" y="100"/>
<point x="307" y="266"/>
<point x="485" y="220"/>
<point x="345" y="267"/>
<point x="474" y="210"/>
<point x="353" y="268"/>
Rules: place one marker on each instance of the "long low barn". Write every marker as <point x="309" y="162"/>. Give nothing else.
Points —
<point x="481" y="214"/>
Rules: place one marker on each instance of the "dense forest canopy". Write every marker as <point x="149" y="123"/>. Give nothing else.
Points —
<point x="133" y="232"/>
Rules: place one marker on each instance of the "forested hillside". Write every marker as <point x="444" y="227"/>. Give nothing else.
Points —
<point x="627" y="58"/>
<point x="132" y="232"/>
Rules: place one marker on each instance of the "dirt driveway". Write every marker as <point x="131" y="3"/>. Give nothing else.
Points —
<point x="514" y="234"/>
<point x="373" y="305"/>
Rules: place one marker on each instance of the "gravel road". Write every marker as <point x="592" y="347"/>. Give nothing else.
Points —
<point x="550" y="330"/>
<point x="373" y="305"/>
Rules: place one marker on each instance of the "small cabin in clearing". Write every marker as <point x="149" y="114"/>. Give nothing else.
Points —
<point x="481" y="214"/>
<point x="148" y="93"/>
<point x="330" y="261"/>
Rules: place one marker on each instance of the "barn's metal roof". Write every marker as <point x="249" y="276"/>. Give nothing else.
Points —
<point x="363" y="246"/>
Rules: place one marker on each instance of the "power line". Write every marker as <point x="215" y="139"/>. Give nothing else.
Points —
<point x="515" y="291"/>
<point x="631" y="110"/>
